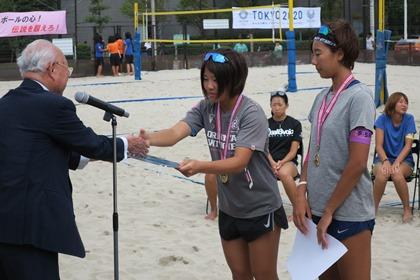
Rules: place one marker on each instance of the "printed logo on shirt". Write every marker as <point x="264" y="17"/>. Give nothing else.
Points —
<point x="213" y="142"/>
<point x="281" y="132"/>
<point x="212" y="121"/>
<point x="235" y="124"/>
<point x="211" y="117"/>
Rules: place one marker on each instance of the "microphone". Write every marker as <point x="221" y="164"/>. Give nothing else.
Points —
<point x="83" y="97"/>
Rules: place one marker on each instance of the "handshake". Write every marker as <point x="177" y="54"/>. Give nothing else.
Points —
<point x="138" y="145"/>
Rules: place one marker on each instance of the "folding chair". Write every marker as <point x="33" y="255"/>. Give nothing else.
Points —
<point x="415" y="175"/>
<point x="300" y="155"/>
<point x="415" y="149"/>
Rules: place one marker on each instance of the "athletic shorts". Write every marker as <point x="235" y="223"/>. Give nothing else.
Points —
<point x="342" y="230"/>
<point x="99" y="61"/>
<point x="129" y="59"/>
<point x="251" y="229"/>
<point x="114" y="59"/>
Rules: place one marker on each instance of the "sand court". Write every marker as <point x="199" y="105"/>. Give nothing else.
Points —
<point x="162" y="230"/>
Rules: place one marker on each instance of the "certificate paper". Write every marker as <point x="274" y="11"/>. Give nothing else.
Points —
<point x="308" y="260"/>
<point x="160" y="161"/>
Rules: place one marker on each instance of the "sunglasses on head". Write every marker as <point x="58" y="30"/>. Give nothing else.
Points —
<point x="278" y="93"/>
<point x="216" y="57"/>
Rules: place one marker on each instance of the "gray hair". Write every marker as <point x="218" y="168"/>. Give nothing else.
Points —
<point x="37" y="56"/>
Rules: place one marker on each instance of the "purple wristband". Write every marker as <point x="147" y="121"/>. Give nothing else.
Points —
<point x="361" y="135"/>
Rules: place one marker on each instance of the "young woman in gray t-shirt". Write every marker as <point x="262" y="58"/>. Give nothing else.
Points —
<point x="335" y="188"/>
<point x="250" y="207"/>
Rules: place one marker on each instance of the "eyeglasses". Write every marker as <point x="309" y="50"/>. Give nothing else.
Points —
<point x="216" y="57"/>
<point x="278" y="93"/>
<point x="69" y="69"/>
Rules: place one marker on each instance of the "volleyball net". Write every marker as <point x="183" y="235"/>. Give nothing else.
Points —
<point x="234" y="21"/>
<point x="224" y="33"/>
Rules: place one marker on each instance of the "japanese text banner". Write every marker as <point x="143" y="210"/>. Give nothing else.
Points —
<point x="32" y="23"/>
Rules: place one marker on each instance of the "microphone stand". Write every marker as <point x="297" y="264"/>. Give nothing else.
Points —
<point x="110" y="117"/>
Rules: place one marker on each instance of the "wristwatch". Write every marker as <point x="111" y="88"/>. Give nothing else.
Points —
<point x="385" y="159"/>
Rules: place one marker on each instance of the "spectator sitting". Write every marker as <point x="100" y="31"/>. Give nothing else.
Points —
<point x="148" y="47"/>
<point x="395" y="130"/>
<point x="370" y="42"/>
<point x="240" y="47"/>
<point x="278" y="51"/>
<point x="285" y="138"/>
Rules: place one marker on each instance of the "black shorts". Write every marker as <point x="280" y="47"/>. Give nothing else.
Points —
<point x="231" y="228"/>
<point x="99" y="61"/>
<point x="129" y="59"/>
<point x="114" y="59"/>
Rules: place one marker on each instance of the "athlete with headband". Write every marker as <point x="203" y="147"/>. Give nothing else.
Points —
<point x="250" y="207"/>
<point x="335" y="190"/>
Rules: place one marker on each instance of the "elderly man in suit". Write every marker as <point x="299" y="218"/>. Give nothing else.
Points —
<point x="41" y="137"/>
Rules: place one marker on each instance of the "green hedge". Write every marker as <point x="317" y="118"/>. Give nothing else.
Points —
<point x="83" y="51"/>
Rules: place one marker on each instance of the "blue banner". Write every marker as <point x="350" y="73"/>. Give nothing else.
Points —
<point x="382" y="44"/>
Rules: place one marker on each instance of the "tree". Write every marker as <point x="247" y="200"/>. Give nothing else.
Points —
<point x="331" y="10"/>
<point x="96" y="8"/>
<point x="193" y="20"/>
<point x="395" y="17"/>
<point x="414" y="17"/>
<point x="127" y="7"/>
<point x="28" y="5"/>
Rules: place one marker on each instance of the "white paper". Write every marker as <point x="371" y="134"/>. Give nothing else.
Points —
<point x="308" y="260"/>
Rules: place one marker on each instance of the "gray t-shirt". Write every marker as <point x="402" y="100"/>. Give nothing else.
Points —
<point x="354" y="108"/>
<point x="243" y="196"/>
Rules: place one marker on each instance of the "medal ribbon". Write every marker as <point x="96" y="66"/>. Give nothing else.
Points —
<point x="219" y="126"/>
<point x="326" y="109"/>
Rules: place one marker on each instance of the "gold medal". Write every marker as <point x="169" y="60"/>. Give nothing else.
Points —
<point x="317" y="160"/>
<point x="224" y="178"/>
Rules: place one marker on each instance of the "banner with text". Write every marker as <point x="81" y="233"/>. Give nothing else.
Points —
<point x="32" y="23"/>
<point x="269" y="18"/>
